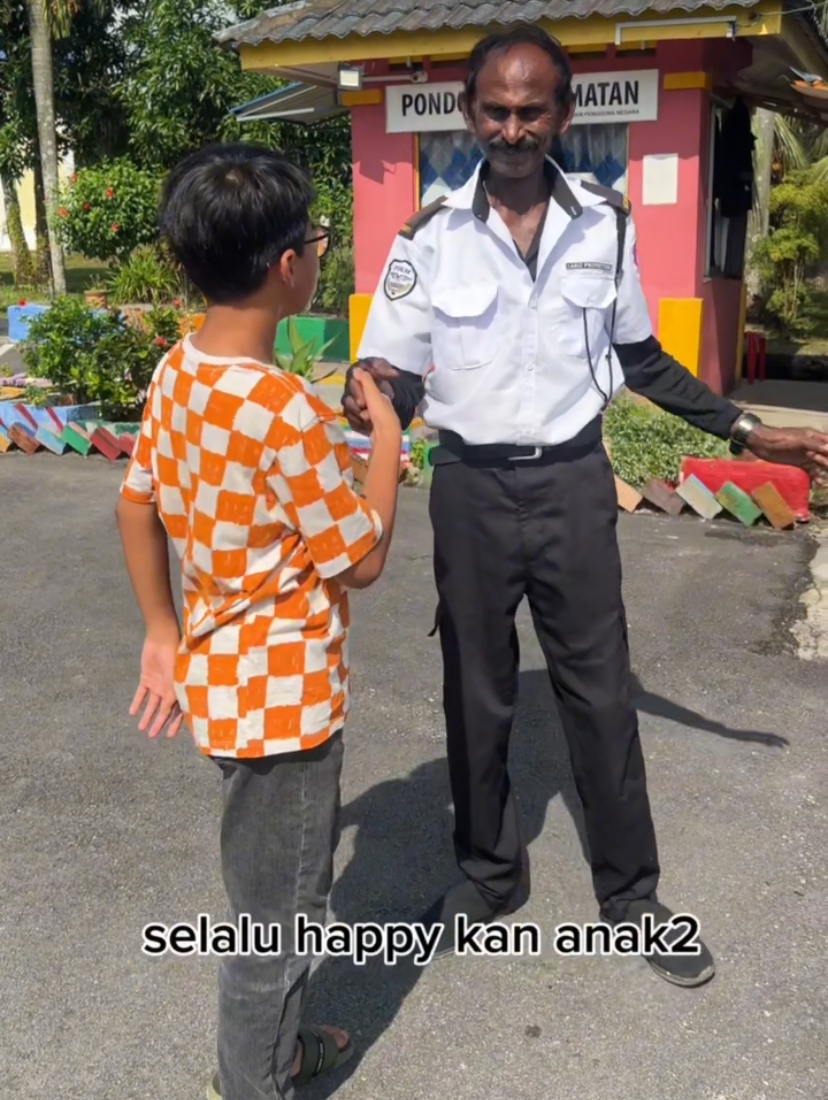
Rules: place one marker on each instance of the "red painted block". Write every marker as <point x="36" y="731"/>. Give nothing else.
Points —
<point x="106" y="444"/>
<point x="22" y="436"/>
<point x="27" y="416"/>
<point x="127" y="443"/>
<point x="57" y="425"/>
<point x="793" y="484"/>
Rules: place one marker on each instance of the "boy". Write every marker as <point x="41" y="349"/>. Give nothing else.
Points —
<point x="249" y="476"/>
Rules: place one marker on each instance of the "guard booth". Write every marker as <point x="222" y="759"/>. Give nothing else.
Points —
<point x="664" y="102"/>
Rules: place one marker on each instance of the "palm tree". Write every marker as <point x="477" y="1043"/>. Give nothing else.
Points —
<point x="40" y="32"/>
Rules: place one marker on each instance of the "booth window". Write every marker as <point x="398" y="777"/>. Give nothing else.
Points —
<point x="729" y="189"/>
<point x="598" y="153"/>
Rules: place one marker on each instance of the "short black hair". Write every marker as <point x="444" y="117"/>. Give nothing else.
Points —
<point x="523" y="35"/>
<point x="229" y="212"/>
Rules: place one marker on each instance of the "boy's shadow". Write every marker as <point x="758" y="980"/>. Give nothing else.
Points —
<point x="402" y="859"/>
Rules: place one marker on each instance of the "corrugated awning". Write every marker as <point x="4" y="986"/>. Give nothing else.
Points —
<point x="304" y="103"/>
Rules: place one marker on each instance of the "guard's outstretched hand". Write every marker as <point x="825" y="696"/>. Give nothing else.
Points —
<point x="354" y="404"/>
<point x="801" y="447"/>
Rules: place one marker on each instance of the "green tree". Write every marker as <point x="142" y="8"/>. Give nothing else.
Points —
<point x="797" y="240"/>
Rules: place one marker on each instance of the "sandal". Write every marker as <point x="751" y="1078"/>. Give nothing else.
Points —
<point x="320" y="1054"/>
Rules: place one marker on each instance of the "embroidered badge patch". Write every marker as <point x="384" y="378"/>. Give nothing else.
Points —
<point x="400" y="280"/>
<point x="589" y="265"/>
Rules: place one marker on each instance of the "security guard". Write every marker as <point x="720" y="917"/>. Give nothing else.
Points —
<point x="513" y="312"/>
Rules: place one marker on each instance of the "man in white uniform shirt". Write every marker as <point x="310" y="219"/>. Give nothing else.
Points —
<point x="512" y="312"/>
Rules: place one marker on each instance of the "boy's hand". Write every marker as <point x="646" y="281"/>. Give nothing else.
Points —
<point x="354" y="402"/>
<point x="156" y="688"/>
<point x="379" y="411"/>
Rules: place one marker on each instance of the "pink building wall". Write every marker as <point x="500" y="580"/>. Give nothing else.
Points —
<point x="384" y="191"/>
<point x="671" y="239"/>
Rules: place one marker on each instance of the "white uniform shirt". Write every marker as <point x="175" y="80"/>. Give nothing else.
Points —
<point x="503" y="355"/>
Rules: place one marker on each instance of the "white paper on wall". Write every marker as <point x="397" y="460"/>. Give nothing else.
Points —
<point x="660" y="185"/>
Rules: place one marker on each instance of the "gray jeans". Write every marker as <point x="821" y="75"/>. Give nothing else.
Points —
<point x="279" y="831"/>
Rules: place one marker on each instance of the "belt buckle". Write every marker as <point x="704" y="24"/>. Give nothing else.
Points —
<point x="538" y="451"/>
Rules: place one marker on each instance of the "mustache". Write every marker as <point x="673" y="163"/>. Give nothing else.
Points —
<point x="525" y="145"/>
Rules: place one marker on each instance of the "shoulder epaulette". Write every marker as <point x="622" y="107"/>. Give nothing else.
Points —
<point x="421" y="218"/>
<point x="612" y="198"/>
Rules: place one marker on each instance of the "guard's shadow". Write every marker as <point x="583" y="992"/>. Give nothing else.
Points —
<point x="403" y="855"/>
<point x="647" y="702"/>
<point x="403" y="858"/>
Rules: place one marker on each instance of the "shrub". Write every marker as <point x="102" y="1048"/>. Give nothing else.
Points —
<point x="95" y="356"/>
<point x="647" y="443"/>
<point x="108" y="210"/>
<point x="336" y="282"/>
<point x="797" y="241"/>
<point x="144" y="277"/>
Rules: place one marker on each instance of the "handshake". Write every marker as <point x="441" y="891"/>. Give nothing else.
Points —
<point x="375" y="390"/>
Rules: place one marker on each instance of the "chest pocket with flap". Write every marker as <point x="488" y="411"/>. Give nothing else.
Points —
<point x="465" y="326"/>
<point x="588" y="298"/>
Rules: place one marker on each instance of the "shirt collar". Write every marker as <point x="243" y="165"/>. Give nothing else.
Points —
<point x="568" y="194"/>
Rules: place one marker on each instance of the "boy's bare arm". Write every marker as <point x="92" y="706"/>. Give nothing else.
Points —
<point x="381" y="483"/>
<point x="145" y="552"/>
<point x="144" y="542"/>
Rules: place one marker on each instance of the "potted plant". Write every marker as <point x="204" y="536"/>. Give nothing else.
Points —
<point x="303" y="356"/>
<point x="97" y="297"/>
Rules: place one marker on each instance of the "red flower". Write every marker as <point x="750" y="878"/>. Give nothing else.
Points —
<point x="87" y="206"/>
<point x="160" y="342"/>
<point x="110" y="194"/>
<point x="22" y="302"/>
<point x="63" y="212"/>
<point x="177" y="303"/>
<point x="114" y="227"/>
<point x="73" y="178"/>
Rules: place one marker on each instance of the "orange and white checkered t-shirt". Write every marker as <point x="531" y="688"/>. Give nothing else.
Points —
<point x="252" y="479"/>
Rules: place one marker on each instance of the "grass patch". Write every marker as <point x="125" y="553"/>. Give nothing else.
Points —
<point x="81" y="274"/>
<point x="646" y="443"/>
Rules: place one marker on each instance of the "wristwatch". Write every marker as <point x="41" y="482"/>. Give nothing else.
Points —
<point x="740" y="431"/>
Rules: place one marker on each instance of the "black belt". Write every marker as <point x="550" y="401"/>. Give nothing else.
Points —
<point x="452" y="448"/>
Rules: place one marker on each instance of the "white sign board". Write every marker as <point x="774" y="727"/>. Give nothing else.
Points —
<point x="599" y="97"/>
<point x="421" y="107"/>
<point x="616" y="97"/>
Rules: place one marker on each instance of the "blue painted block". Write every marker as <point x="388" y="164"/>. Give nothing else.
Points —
<point x="49" y="440"/>
<point x="20" y="317"/>
<point x="71" y="414"/>
<point x="9" y="415"/>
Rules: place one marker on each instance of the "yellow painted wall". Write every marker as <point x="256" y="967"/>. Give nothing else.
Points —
<point x="26" y="198"/>
<point x="358" y="306"/>
<point x="680" y="330"/>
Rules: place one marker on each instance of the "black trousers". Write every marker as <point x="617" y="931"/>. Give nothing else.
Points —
<point x="546" y="532"/>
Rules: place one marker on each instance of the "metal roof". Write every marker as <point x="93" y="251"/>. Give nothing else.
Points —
<point x="305" y="103"/>
<point x="320" y="19"/>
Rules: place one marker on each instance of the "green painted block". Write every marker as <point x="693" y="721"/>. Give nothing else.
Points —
<point x="738" y="503"/>
<point x="75" y="440"/>
<point x="118" y="428"/>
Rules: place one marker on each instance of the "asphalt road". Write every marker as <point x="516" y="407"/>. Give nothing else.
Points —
<point x="102" y="831"/>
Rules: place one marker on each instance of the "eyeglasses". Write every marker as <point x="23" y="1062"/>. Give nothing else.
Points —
<point x="322" y="240"/>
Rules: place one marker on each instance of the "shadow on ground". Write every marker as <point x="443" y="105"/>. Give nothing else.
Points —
<point x="406" y="824"/>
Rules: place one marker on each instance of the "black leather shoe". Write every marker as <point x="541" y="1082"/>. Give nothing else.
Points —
<point x="675" y="963"/>
<point x="465" y="898"/>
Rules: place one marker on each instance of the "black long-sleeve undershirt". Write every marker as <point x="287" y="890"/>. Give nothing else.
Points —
<point x="653" y="374"/>
<point x="648" y="371"/>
